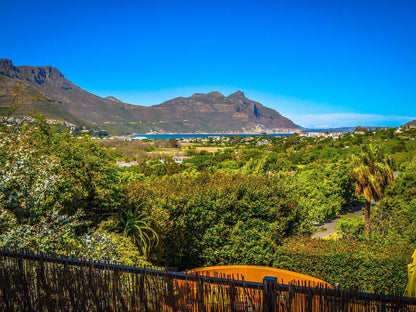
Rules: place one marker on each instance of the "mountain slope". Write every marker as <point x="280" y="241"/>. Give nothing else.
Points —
<point x="199" y="113"/>
<point x="213" y="111"/>
<point x="71" y="98"/>
<point x="410" y="124"/>
<point x="42" y="104"/>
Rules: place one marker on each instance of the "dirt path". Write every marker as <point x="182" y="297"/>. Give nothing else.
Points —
<point x="328" y="228"/>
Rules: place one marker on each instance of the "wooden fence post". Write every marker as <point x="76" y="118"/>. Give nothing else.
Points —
<point x="200" y="295"/>
<point x="383" y="302"/>
<point x="269" y="294"/>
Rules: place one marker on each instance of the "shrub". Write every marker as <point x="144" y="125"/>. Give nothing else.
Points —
<point x="368" y="266"/>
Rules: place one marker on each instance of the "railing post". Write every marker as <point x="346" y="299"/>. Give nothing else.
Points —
<point x="269" y="294"/>
<point x="383" y="302"/>
<point x="171" y="299"/>
<point x="200" y="294"/>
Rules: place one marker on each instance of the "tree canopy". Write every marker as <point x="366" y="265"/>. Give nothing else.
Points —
<point x="372" y="172"/>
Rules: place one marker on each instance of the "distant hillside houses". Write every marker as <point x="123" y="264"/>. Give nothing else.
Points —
<point x="334" y="135"/>
<point x="360" y="132"/>
<point x="180" y="159"/>
<point x="177" y="159"/>
<point x="61" y="122"/>
<point x="126" y="164"/>
<point x="27" y="119"/>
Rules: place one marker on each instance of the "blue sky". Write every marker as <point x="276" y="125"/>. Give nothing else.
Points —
<point x="320" y="63"/>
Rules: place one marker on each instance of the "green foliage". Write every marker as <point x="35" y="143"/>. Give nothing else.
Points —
<point x="28" y="181"/>
<point x="351" y="227"/>
<point x="130" y="174"/>
<point x="125" y="251"/>
<point x="323" y="192"/>
<point x="191" y="210"/>
<point x="56" y="234"/>
<point x="231" y="165"/>
<point x="41" y="169"/>
<point x="370" y="267"/>
<point x="394" y="219"/>
<point x="20" y="97"/>
<point x="372" y="172"/>
<point x="134" y="225"/>
<point x="405" y="185"/>
<point x="52" y="234"/>
<point x="89" y="179"/>
<point x="252" y="241"/>
<point x="239" y="205"/>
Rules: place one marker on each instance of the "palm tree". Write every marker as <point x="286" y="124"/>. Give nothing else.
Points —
<point x="372" y="172"/>
<point x="133" y="224"/>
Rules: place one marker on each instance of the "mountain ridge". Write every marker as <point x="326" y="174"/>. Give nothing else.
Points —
<point x="199" y="113"/>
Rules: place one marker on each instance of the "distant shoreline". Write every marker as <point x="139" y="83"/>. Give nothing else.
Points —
<point x="202" y="135"/>
<point x="273" y="134"/>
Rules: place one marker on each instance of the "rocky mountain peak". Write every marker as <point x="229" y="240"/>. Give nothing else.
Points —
<point x="46" y="73"/>
<point x="238" y="94"/>
<point x="215" y="94"/>
<point x="45" y="77"/>
<point x="8" y="69"/>
<point x="34" y="74"/>
<point x="112" y="98"/>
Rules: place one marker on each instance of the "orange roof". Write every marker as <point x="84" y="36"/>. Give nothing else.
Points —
<point x="253" y="273"/>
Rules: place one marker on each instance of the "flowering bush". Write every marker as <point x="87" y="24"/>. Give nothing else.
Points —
<point x="56" y="234"/>
<point x="28" y="181"/>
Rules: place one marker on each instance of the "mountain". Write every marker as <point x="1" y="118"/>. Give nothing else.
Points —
<point x="199" y="113"/>
<point x="410" y="124"/>
<point x="70" y="98"/>
<point x="45" y="105"/>
<point x="214" y="112"/>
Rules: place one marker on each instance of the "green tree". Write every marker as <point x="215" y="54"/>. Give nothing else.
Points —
<point x="28" y="181"/>
<point x="20" y="97"/>
<point x="41" y="169"/>
<point x="206" y="219"/>
<point x="323" y="191"/>
<point x="372" y="172"/>
<point x="351" y="227"/>
<point x="394" y="218"/>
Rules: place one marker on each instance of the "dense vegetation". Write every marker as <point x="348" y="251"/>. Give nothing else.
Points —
<point x="235" y="200"/>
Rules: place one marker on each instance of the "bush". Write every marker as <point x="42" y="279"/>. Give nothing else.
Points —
<point x="351" y="227"/>
<point x="368" y="266"/>
<point x="218" y="218"/>
<point x="55" y="234"/>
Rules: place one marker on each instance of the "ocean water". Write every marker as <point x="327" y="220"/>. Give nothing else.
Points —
<point x="198" y="136"/>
